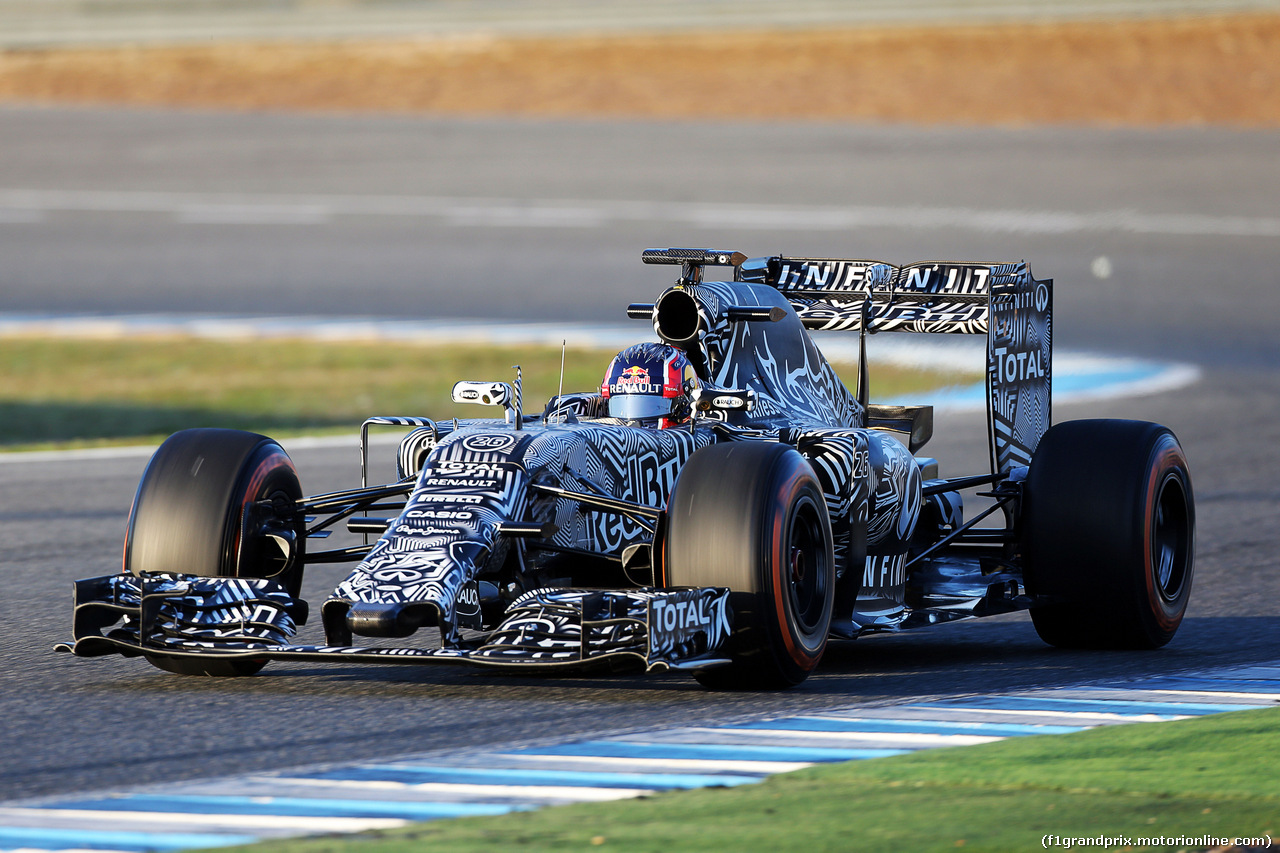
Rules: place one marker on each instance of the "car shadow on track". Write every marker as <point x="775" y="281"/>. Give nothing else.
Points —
<point x="1000" y="654"/>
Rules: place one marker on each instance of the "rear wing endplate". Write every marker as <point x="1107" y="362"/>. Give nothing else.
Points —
<point x="1002" y="301"/>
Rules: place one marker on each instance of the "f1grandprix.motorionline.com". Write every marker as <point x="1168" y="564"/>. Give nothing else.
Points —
<point x="721" y="504"/>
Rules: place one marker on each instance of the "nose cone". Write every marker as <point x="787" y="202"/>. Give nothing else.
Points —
<point x="393" y="619"/>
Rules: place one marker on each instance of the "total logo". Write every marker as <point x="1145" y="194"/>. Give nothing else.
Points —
<point x="1017" y="366"/>
<point x="681" y="615"/>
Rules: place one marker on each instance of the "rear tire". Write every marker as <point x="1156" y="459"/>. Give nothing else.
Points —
<point x="187" y="518"/>
<point x="750" y="516"/>
<point x="1109" y="529"/>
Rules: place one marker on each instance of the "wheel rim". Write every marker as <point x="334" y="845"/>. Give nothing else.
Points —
<point x="261" y="556"/>
<point x="272" y="558"/>
<point x="1170" y="538"/>
<point x="807" y="568"/>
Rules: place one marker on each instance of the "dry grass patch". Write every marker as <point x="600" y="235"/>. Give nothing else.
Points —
<point x="1195" y="70"/>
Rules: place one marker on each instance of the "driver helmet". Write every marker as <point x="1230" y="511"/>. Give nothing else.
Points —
<point x="650" y="382"/>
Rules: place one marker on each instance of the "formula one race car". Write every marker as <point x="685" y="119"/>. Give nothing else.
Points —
<point x="722" y="504"/>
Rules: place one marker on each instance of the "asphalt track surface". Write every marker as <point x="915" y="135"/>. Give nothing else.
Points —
<point x="1197" y="282"/>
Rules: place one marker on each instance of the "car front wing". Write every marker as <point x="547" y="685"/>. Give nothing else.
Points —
<point x="183" y="616"/>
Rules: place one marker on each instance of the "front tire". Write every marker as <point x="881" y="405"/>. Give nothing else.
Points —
<point x="188" y="515"/>
<point x="1109" y="532"/>
<point x="750" y="516"/>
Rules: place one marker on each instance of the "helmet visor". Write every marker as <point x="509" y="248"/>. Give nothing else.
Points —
<point x="635" y="407"/>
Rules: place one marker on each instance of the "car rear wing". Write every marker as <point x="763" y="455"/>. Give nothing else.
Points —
<point x="1002" y="301"/>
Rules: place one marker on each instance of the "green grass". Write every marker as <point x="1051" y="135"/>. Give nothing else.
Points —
<point x="1214" y="776"/>
<point x="69" y="392"/>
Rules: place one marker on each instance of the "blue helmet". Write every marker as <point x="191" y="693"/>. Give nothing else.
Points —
<point x="650" y="383"/>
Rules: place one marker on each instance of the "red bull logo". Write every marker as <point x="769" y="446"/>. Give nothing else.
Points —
<point x="635" y="375"/>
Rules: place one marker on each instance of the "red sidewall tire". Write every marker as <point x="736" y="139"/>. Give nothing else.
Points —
<point x="799" y="623"/>
<point x="1108" y="534"/>
<point x="187" y="512"/>
<point x="1167" y="554"/>
<point x="750" y="517"/>
<point x="187" y="518"/>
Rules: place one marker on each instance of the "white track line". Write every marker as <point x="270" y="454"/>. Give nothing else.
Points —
<point x="313" y="209"/>
<point x="701" y="765"/>
<point x="886" y="739"/>
<point x="475" y="792"/>
<point x="1081" y="716"/>
<point x="95" y="818"/>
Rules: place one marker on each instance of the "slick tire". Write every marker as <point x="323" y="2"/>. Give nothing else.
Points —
<point x="187" y="515"/>
<point x="750" y="516"/>
<point x="1109" y="534"/>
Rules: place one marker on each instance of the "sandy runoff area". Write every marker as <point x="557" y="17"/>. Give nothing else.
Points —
<point x="1214" y="70"/>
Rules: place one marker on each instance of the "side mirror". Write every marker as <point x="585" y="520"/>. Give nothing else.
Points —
<point x="484" y="393"/>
